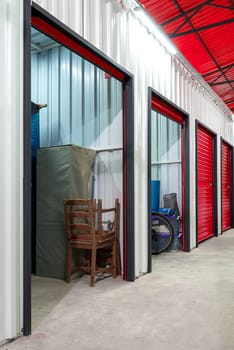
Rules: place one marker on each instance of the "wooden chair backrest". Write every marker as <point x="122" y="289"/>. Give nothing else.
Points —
<point x="80" y="219"/>
<point x="81" y="215"/>
<point x="116" y="214"/>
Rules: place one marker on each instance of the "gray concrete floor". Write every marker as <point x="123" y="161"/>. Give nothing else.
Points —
<point x="186" y="303"/>
<point x="46" y="294"/>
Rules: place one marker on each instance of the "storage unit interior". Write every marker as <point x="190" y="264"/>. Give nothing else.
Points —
<point x="82" y="106"/>
<point x="166" y="177"/>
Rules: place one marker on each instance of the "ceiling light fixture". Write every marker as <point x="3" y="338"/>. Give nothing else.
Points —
<point x="152" y="28"/>
<point x="127" y="5"/>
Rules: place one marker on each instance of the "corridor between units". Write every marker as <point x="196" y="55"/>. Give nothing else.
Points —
<point x="186" y="303"/>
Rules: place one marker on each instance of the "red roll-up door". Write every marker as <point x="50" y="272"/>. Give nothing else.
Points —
<point x="226" y="186"/>
<point x="205" y="183"/>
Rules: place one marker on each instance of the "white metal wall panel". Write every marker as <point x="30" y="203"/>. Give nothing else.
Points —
<point x="120" y="35"/>
<point x="11" y="175"/>
<point x="84" y="106"/>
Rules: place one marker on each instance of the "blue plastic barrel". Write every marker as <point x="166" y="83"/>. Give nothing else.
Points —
<point x="155" y="194"/>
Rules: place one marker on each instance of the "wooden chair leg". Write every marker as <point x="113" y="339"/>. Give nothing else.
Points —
<point x="114" y="259"/>
<point x="93" y="267"/>
<point x="69" y="263"/>
<point x="118" y="258"/>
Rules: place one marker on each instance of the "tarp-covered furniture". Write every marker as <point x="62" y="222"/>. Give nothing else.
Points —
<point x="63" y="172"/>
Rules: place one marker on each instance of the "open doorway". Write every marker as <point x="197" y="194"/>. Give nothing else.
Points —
<point x="77" y="152"/>
<point x="80" y="103"/>
<point x="168" y="173"/>
<point x="166" y="182"/>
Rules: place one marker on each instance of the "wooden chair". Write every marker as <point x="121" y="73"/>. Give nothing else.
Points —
<point x="84" y="224"/>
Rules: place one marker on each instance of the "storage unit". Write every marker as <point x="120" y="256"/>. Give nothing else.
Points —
<point x="205" y="183"/>
<point x="168" y="153"/>
<point x="226" y="181"/>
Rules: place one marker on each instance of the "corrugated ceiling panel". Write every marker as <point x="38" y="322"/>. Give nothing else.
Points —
<point x="203" y="31"/>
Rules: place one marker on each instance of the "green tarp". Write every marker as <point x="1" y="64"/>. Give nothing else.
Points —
<point x="63" y="172"/>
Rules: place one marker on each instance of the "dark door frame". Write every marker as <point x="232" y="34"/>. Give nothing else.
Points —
<point x="175" y="113"/>
<point x="215" y="194"/>
<point x="51" y="26"/>
<point x="232" y="182"/>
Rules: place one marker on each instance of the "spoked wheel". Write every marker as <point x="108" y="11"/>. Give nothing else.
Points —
<point x="162" y="233"/>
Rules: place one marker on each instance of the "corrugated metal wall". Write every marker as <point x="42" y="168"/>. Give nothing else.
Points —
<point x="11" y="174"/>
<point x="84" y="105"/>
<point x="166" y="155"/>
<point x="121" y="36"/>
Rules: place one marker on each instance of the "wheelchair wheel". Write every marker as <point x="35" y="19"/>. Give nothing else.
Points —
<point x="162" y="233"/>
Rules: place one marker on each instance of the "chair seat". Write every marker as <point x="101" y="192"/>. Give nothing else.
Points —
<point x="85" y="239"/>
<point x="106" y="235"/>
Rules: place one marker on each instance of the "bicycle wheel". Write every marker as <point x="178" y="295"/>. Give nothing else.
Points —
<point x="162" y="233"/>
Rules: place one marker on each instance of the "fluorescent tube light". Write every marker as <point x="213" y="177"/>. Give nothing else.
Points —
<point x="151" y="26"/>
<point x="129" y="4"/>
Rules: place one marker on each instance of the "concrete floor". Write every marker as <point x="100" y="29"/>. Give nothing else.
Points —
<point x="186" y="303"/>
<point x="46" y="294"/>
